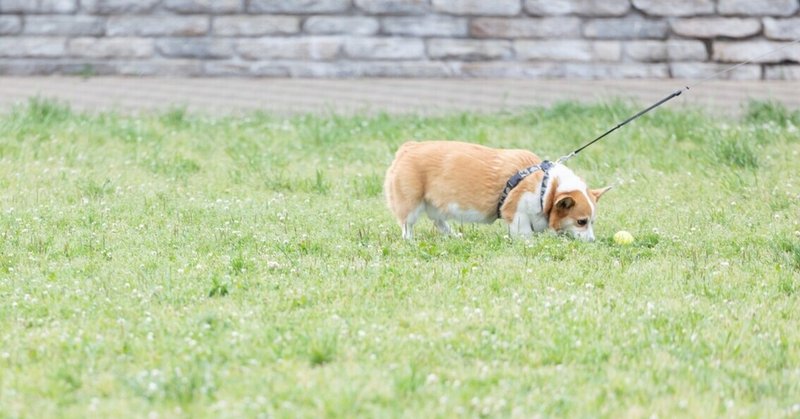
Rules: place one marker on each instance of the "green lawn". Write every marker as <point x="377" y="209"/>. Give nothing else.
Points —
<point x="197" y="266"/>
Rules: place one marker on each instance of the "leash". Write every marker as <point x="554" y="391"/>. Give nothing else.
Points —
<point x="674" y="94"/>
<point x="546" y="165"/>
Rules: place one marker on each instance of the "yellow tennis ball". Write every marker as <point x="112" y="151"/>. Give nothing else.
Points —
<point x="623" y="237"/>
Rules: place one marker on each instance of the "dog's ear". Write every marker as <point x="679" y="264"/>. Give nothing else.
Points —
<point x="597" y="193"/>
<point x="565" y="203"/>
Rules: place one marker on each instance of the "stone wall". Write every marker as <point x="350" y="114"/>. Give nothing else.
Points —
<point x="401" y="38"/>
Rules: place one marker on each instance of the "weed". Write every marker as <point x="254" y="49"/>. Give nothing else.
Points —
<point x="175" y="117"/>
<point x="736" y="152"/>
<point x="42" y="112"/>
<point x="769" y="112"/>
<point x="86" y="71"/>
<point x="789" y="249"/>
<point x="368" y="186"/>
<point x="219" y="287"/>
<point x="322" y="350"/>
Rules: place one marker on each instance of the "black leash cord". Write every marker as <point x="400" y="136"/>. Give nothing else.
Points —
<point x="653" y="106"/>
<point x="675" y="94"/>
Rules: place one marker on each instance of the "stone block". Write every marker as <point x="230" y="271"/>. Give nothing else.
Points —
<point x="38" y="6"/>
<point x="306" y="48"/>
<point x="298" y="6"/>
<point x="52" y="66"/>
<point x="713" y="27"/>
<point x="409" y="69"/>
<point x="697" y="71"/>
<point x="238" y="68"/>
<point x="255" y="25"/>
<point x="606" y="50"/>
<point x="26" y="67"/>
<point x="686" y="50"/>
<point x="77" y="25"/>
<point x="782" y="72"/>
<point x="32" y="47"/>
<point x="436" y="25"/>
<point x="625" y="28"/>
<point x="10" y="25"/>
<point x="548" y="27"/>
<point x="333" y="25"/>
<point x="733" y="52"/>
<point x="195" y="47"/>
<point x="349" y="69"/>
<point x="782" y="29"/>
<point x="478" y="7"/>
<point x="118" y="6"/>
<point x="394" y="7"/>
<point x="158" y="67"/>
<point x="758" y="7"/>
<point x="672" y="50"/>
<point x="675" y="7"/>
<point x="605" y="71"/>
<point x="163" y="25"/>
<point x="580" y="7"/>
<point x="284" y="69"/>
<point x="506" y="69"/>
<point x="645" y="51"/>
<point x="385" y="48"/>
<point x="469" y="49"/>
<point x="229" y="68"/>
<point x="43" y="67"/>
<point x="77" y="67"/>
<point x="204" y="6"/>
<point x="568" y="50"/>
<point x="346" y="69"/>
<point x="110" y="47"/>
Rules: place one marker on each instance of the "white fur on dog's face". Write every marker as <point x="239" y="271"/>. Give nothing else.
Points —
<point x="573" y="206"/>
<point x="574" y="210"/>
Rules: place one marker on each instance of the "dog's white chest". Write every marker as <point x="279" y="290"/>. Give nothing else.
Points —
<point x="528" y="217"/>
<point x="539" y="223"/>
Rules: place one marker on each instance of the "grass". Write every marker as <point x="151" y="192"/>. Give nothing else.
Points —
<point x="198" y="266"/>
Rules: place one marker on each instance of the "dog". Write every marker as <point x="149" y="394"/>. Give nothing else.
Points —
<point x="471" y="183"/>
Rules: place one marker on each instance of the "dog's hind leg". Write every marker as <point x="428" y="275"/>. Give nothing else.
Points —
<point x="408" y="224"/>
<point x="408" y="231"/>
<point x="404" y="196"/>
<point x="439" y="219"/>
<point x="443" y="227"/>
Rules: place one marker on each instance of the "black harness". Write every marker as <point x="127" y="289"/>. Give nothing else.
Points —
<point x="512" y="183"/>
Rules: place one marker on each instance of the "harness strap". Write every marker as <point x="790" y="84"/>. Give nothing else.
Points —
<point x="515" y="180"/>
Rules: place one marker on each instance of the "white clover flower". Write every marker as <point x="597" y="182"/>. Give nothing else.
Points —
<point x="431" y="379"/>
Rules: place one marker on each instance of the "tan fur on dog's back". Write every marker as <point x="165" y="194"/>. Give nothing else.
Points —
<point x="441" y="173"/>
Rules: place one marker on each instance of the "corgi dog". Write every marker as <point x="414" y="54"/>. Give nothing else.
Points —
<point x="449" y="180"/>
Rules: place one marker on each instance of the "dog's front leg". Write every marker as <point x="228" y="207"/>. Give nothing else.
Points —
<point x="520" y="226"/>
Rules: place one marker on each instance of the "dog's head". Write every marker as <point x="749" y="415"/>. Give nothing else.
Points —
<point x="573" y="206"/>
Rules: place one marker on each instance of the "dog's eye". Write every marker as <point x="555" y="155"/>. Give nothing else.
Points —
<point x="582" y="222"/>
